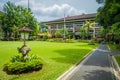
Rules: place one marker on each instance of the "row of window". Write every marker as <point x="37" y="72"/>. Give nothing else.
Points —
<point x="70" y="26"/>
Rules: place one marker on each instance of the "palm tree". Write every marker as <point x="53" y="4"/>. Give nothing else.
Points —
<point x="64" y="32"/>
<point x="83" y="32"/>
<point x="89" y="26"/>
<point x="58" y="33"/>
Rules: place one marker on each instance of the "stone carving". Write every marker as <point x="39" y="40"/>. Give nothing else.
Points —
<point x="24" y="50"/>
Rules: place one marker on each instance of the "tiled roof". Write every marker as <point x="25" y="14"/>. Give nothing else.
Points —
<point x="83" y="16"/>
<point x="24" y="29"/>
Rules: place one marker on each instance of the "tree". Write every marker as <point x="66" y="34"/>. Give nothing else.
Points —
<point x="58" y="33"/>
<point x="64" y="33"/>
<point x="108" y="16"/>
<point x="115" y="30"/>
<point x="83" y="32"/>
<point x="1" y="33"/>
<point x="17" y="16"/>
<point x="89" y="25"/>
<point x="15" y="31"/>
<point x="43" y="27"/>
<point x="1" y="30"/>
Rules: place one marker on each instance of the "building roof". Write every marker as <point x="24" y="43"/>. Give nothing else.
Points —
<point x="24" y="29"/>
<point x="83" y="16"/>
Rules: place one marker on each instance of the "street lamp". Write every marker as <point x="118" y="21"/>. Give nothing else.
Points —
<point x="28" y="4"/>
<point x="24" y="35"/>
<point x="64" y="37"/>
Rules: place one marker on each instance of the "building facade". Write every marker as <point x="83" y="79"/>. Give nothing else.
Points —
<point x="73" y="24"/>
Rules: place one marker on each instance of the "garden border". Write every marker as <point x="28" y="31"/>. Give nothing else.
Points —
<point x="71" y="69"/>
<point x="115" y="66"/>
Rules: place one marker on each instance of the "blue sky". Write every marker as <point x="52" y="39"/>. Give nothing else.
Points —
<point x="46" y="10"/>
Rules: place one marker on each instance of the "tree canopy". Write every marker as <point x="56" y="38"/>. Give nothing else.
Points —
<point x="109" y="13"/>
<point x="109" y="17"/>
<point x="15" y="17"/>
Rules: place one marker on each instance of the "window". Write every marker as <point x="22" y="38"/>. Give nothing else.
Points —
<point x="79" y="24"/>
<point x="60" y="26"/>
<point x="69" y="26"/>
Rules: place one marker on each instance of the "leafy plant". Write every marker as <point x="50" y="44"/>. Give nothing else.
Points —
<point x="91" y="42"/>
<point x="19" y="65"/>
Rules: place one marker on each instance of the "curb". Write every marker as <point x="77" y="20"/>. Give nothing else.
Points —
<point x="115" y="66"/>
<point x="70" y="70"/>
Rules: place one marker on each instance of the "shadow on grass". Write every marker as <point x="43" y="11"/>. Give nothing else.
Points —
<point x="70" y="56"/>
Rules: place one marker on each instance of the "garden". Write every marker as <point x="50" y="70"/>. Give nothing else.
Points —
<point x="56" y="58"/>
<point x="50" y="57"/>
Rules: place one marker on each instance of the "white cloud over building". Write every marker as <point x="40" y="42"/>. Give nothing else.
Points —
<point x="52" y="9"/>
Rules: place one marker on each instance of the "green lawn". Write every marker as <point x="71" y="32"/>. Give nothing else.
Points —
<point x="57" y="57"/>
<point x="118" y="59"/>
<point x="113" y="47"/>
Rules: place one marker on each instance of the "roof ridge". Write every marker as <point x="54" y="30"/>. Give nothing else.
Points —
<point x="74" y="17"/>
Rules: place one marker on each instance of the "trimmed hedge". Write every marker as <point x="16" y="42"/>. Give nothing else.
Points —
<point x="22" y="66"/>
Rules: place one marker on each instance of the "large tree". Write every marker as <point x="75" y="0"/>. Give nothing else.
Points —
<point x="15" y="17"/>
<point x="109" y="16"/>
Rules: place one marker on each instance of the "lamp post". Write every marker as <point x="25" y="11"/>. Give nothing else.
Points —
<point x="64" y="37"/>
<point x="24" y="35"/>
<point x="28" y="4"/>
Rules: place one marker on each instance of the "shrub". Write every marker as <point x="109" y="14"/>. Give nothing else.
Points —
<point x="50" y="40"/>
<point x="70" y="41"/>
<point x="118" y="47"/>
<point x="83" y="41"/>
<point x="17" y="65"/>
<point x="91" y="42"/>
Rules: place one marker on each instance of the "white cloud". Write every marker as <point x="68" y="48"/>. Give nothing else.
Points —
<point x="53" y="11"/>
<point x="57" y="10"/>
<point x="1" y="5"/>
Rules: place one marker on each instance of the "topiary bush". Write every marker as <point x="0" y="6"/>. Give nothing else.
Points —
<point x="17" y="65"/>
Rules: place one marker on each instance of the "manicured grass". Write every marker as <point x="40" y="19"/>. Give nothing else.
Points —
<point x="57" y="58"/>
<point x="113" y="47"/>
<point x="118" y="59"/>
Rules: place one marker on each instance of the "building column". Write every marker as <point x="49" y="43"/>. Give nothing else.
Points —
<point x="73" y="27"/>
<point x="94" y="30"/>
<point x="74" y="30"/>
<point x="49" y="27"/>
<point x="57" y="27"/>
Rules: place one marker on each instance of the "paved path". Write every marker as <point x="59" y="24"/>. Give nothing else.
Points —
<point x="96" y="67"/>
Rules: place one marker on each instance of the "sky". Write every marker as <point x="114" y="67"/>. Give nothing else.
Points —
<point x="46" y="10"/>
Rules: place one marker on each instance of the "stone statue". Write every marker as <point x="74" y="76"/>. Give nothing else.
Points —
<point x="24" y="50"/>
